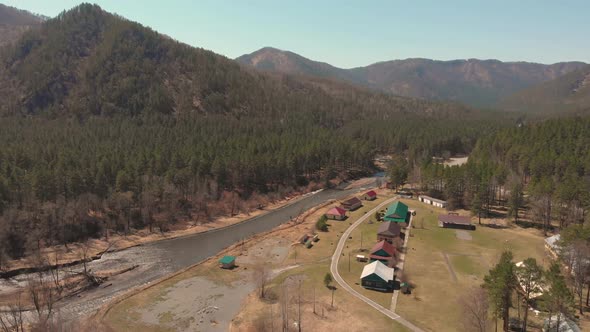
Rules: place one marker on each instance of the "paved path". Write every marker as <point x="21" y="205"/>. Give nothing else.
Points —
<point x="400" y="266"/>
<point x="344" y="285"/>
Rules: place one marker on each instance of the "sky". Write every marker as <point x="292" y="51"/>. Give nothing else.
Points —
<point x="348" y="33"/>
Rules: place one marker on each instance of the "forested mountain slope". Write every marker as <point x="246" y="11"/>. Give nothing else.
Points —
<point x="567" y="94"/>
<point x="14" y="22"/>
<point x="110" y="126"/>
<point x="480" y="83"/>
<point x="89" y="62"/>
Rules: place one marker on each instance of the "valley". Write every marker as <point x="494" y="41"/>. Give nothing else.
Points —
<point x="425" y="176"/>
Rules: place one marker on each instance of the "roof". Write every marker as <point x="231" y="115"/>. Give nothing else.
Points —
<point x="227" y="259"/>
<point x="454" y="219"/>
<point x="378" y="268"/>
<point x="371" y="193"/>
<point x="552" y="241"/>
<point x="397" y="211"/>
<point x="432" y="199"/>
<point x="389" y="228"/>
<point x="534" y="285"/>
<point x="565" y="324"/>
<point x="337" y="211"/>
<point x="352" y="201"/>
<point x="385" y="246"/>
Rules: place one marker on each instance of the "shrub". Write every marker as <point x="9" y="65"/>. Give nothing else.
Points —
<point x="322" y="224"/>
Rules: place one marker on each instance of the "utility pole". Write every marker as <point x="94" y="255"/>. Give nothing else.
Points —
<point x="361" y="240"/>
<point x="299" y="307"/>
<point x="349" y="261"/>
<point x="333" y="289"/>
<point x="314" y="299"/>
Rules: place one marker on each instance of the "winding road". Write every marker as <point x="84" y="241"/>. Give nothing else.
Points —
<point x="343" y="284"/>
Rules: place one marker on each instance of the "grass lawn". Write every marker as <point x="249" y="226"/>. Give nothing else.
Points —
<point x="470" y="260"/>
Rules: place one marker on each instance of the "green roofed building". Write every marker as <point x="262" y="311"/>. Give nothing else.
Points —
<point x="228" y="262"/>
<point x="396" y="212"/>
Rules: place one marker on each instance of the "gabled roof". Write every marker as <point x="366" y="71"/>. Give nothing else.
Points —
<point x="352" y="201"/>
<point x="397" y="211"/>
<point x="389" y="229"/>
<point x="454" y="219"/>
<point x="337" y="211"/>
<point x="371" y="193"/>
<point x="379" y="269"/>
<point x="385" y="246"/>
<point x="227" y="259"/>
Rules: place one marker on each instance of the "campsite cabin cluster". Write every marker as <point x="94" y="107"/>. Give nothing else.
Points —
<point x="339" y="212"/>
<point x="379" y="274"/>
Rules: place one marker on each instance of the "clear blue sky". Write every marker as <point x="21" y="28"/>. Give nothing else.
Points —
<point x="349" y="33"/>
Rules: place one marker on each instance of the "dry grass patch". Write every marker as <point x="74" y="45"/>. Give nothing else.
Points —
<point x="470" y="260"/>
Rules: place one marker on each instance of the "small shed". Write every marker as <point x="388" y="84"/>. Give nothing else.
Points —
<point x="336" y="213"/>
<point x="433" y="201"/>
<point x="228" y="262"/>
<point x="304" y="238"/>
<point x="396" y="212"/>
<point x="377" y="276"/>
<point x="361" y="258"/>
<point x="388" y="231"/>
<point x="455" y="221"/>
<point x="370" y="195"/>
<point x="352" y="204"/>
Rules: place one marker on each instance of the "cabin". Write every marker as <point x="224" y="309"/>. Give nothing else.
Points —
<point x="455" y="221"/>
<point x="384" y="252"/>
<point x="377" y="276"/>
<point x="560" y="323"/>
<point x="433" y="201"/>
<point x="551" y="245"/>
<point x="396" y="212"/>
<point x="370" y="195"/>
<point x="352" y="204"/>
<point x="534" y="285"/>
<point x="389" y="231"/>
<point x="227" y="262"/>
<point x="336" y="213"/>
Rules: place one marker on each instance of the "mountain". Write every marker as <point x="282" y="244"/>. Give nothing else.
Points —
<point x="14" y="22"/>
<point x="480" y="83"/>
<point x="275" y="60"/>
<point x="570" y="93"/>
<point x="89" y="62"/>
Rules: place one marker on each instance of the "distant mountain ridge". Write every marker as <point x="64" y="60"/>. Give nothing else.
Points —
<point x="480" y="83"/>
<point x="570" y="93"/>
<point x="14" y="22"/>
<point x="87" y="61"/>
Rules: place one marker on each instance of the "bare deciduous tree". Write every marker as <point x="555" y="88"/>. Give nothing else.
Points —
<point x="261" y="277"/>
<point x="12" y="320"/>
<point x="475" y="306"/>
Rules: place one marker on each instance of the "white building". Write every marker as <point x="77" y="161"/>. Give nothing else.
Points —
<point x="433" y="201"/>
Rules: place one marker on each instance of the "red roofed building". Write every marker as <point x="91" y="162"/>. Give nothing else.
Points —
<point x="384" y="252"/>
<point x="370" y="196"/>
<point x="336" y="213"/>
